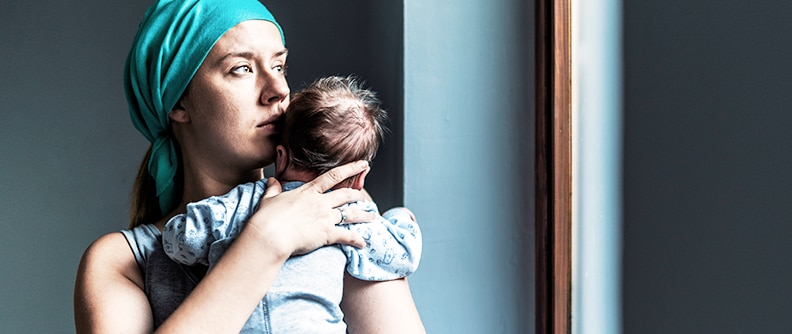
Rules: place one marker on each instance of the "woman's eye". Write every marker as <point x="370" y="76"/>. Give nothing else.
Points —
<point x="280" y="68"/>
<point x="242" y="69"/>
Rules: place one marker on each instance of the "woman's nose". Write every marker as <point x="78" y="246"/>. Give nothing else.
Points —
<point x="275" y="89"/>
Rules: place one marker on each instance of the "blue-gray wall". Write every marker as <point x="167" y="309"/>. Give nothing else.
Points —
<point x="707" y="156"/>
<point x="468" y="162"/>
<point x="68" y="152"/>
<point x="363" y="38"/>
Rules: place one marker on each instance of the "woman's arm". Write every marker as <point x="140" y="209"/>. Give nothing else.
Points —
<point x="287" y="223"/>
<point x="109" y="293"/>
<point x="380" y="307"/>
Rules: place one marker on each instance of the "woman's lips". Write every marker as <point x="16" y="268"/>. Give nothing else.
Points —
<point x="272" y="125"/>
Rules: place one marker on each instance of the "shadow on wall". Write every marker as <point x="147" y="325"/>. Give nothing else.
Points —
<point x="360" y="38"/>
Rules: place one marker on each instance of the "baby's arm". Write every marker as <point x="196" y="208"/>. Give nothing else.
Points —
<point x="202" y="235"/>
<point x="393" y="246"/>
<point x="187" y="237"/>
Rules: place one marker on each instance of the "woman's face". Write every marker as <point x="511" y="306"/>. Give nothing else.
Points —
<point x="235" y="101"/>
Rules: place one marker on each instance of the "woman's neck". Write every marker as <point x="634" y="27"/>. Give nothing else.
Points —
<point x="200" y="184"/>
<point x="292" y="174"/>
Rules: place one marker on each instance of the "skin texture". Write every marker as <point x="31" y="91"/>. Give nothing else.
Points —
<point x="225" y="131"/>
<point x="285" y="171"/>
<point x="245" y="77"/>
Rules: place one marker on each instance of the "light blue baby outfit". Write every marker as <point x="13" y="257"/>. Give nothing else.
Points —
<point x="306" y="294"/>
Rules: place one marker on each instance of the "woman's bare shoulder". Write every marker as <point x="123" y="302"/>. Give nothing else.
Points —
<point x="111" y="255"/>
<point x="109" y="288"/>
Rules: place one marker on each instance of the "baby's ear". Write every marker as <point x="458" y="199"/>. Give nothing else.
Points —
<point x="360" y="179"/>
<point x="281" y="160"/>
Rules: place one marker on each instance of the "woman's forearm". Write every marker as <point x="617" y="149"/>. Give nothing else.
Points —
<point x="224" y="299"/>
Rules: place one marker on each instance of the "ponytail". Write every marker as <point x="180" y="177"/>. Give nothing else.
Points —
<point x="144" y="208"/>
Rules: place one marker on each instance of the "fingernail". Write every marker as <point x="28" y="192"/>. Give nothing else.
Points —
<point x="362" y="164"/>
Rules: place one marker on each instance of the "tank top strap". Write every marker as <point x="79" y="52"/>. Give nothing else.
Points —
<point x="142" y="240"/>
<point x="166" y="283"/>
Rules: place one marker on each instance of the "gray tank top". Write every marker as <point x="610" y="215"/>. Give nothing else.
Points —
<point x="166" y="283"/>
<point x="304" y="298"/>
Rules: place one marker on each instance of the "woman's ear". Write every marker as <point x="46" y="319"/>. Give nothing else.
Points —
<point x="360" y="179"/>
<point x="281" y="160"/>
<point x="179" y="114"/>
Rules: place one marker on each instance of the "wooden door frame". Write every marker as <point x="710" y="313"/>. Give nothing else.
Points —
<point x="553" y="167"/>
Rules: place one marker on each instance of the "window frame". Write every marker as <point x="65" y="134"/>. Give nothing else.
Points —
<point x="553" y="166"/>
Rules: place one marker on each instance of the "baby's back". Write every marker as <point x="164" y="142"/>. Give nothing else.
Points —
<point x="306" y="295"/>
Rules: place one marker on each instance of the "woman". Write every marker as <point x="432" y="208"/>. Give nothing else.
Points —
<point x="206" y="84"/>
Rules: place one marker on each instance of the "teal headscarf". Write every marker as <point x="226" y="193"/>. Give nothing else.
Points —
<point x="171" y="43"/>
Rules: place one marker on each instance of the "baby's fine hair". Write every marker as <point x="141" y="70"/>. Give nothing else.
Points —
<point x="331" y="122"/>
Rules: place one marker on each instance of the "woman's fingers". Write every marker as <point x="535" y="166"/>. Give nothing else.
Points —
<point x="351" y="216"/>
<point x="334" y="176"/>
<point x="346" y="237"/>
<point x="273" y="188"/>
<point x="342" y="196"/>
<point x="312" y="213"/>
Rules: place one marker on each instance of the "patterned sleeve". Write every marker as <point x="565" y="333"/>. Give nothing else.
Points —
<point x="202" y="235"/>
<point x="393" y="246"/>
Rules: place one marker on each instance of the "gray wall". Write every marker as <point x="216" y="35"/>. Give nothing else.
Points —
<point x="707" y="183"/>
<point x="67" y="147"/>
<point x="468" y="162"/>
<point x="69" y="152"/>
<point x="363" y="38"/>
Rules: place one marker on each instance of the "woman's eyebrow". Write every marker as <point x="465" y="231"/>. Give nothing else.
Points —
<point x="249" y="55"/>
<point x="281" y="53"/>
<point x="242" y="54"/>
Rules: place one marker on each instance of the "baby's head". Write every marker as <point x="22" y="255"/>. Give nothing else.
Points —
<point x="331" y="122"/>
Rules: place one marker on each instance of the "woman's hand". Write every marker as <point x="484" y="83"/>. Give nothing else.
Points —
<point x="286" y="223"/>
<point x="304" y="219"/>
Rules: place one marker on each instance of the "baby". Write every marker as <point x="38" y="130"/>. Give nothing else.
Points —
<point x="331" y="122"/>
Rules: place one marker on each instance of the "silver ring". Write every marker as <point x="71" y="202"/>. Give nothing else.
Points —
<point x="343" y="215"/>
